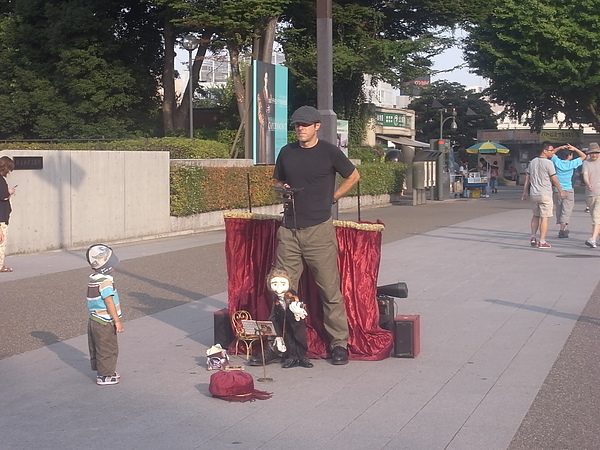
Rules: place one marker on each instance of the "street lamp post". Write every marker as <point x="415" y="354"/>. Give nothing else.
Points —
<point x="190" y="43"/>
<point x="453" y="125"/>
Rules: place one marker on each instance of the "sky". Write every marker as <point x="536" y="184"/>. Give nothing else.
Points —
<point x="450" y="58"/>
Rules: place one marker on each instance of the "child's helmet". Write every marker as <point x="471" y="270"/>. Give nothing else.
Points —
<point x="101" y="257"/>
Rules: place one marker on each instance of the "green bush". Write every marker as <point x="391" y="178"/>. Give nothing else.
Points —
<point x="178" y="148"/>
<point x="202" y="189"/>
<point x="366" y="154"/>
<point x="381" y="178"/>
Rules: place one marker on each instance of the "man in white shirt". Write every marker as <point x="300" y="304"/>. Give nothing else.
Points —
<point x="591" y="177"/>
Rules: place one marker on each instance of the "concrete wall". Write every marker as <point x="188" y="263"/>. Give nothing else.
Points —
<point x="84" y="196"/>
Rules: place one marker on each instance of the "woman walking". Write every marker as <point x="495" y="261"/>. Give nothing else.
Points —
<point x="6" y="166"/>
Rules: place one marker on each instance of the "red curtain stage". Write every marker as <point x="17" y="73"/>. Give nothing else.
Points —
<point x="250" y="251"/>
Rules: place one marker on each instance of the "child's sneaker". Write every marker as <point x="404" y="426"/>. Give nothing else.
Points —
<point x="544" y="245"/>
<point x="533" y="241"/>
<point x="108" y="380"/>
<point x="590" y="243"/>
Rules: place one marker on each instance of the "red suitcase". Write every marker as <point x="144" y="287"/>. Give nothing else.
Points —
<point x="407" y="336"/>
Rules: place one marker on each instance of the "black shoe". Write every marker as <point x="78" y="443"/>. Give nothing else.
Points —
<point x="270" y="356"/>
<point x="305" y="362"/>
<point x="339" y="356"/>
<point x="290" y="362"/>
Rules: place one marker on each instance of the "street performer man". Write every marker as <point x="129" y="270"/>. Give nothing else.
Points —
<point x="309" y="166"/>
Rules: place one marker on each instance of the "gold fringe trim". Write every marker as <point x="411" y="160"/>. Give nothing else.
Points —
<point x="255" y="216"/>
<point x="359" y="226"/>
<point x="338" y="223"/>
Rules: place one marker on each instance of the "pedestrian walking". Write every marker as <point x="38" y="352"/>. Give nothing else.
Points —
<point x="7" y="165"/>
<point x="539" y="179"/>
<point x="565" y="164"/>
<point x="591" y="178"/>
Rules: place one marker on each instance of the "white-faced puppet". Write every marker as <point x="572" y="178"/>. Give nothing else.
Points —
<point x="288" y="314"/>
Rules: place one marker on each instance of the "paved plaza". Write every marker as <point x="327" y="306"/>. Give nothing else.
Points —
<point x="509" y="346"/>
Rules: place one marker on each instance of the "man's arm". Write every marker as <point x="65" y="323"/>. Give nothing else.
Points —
<point x="556" y="184"/>
<point x="586" y="180"/>
<point x="525" y="193"/>
<point x="346" y="185"/>
<point x="576" y="150"/>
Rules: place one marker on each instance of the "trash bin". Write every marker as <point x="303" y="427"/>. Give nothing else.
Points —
<point x="425" y="170"/>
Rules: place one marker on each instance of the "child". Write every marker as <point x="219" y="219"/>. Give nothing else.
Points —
<point x="105" y="315"/>
<point x="288" y="316"/>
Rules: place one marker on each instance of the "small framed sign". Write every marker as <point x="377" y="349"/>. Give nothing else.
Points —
<point x="28" y="162"/>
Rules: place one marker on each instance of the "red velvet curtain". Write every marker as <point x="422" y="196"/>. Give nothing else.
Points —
<point x="250" y="251"/>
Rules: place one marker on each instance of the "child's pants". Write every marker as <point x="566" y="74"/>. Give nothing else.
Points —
<point x="104" y="348"/>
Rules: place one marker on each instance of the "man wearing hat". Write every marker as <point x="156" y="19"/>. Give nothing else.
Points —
<point x="309" y="167"/>
<point x="591" y="178"/>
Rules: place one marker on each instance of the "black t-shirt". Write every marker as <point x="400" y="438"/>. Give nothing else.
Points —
<point x="314" y="170"/>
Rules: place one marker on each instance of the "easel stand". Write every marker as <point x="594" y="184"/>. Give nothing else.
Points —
<point x="262" y="351"/>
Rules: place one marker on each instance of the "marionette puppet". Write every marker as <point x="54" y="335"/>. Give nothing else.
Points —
<point x="288" y="314"/>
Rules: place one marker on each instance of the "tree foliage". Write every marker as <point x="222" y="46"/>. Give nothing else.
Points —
<point x="542" y="57"/>
<point x="86" y="69"/>
<point x="71" y="69"/>
<point x="393" y="41"/>
<point x="473" y="113"/>
<point x="239" y="26"/>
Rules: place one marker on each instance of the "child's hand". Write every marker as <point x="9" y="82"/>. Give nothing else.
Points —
<point x="119" y="327"/>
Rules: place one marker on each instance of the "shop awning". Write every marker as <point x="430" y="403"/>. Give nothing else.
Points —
<point x="403" y="141"/>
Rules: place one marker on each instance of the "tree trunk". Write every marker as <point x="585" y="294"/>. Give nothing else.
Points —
<point x="267" y="40"/>
<point x="262" y="44"/>
<point x="595" y="117"/>
<point x="182" y="114"/>
<point x="168" y="78"/>
<point x="238" y="84"/>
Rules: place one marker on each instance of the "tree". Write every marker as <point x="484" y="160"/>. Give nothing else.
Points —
<point x="392" y="41"/>
<point x="452" y="95"/>
<point x="542" y="58"/>
<point x="78" y="69"/>
<point x="241" y="27"/>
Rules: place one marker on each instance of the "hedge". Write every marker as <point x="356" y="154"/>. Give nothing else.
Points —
<point x="178" y="148"/>
<point x="202" y="189"/>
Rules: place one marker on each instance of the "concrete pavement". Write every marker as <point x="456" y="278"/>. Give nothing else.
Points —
<point x="508" y="346"/>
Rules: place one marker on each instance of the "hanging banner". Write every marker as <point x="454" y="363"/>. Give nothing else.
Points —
<point x="342" y="136"/>
<point x="269" y="122"/>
